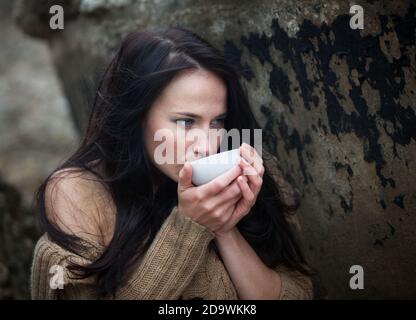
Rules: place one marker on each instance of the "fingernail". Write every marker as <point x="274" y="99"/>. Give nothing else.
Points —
<point x="245" y="161"/>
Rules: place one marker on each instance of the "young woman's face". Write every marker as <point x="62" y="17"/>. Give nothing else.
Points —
<point x="190" y="106"/>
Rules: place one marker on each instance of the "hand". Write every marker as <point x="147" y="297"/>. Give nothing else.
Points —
<point x="211" y="204"/>
<point x="250" y="185"/>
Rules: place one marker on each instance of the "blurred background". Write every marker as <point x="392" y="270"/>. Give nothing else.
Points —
<point x="336" y="104"/>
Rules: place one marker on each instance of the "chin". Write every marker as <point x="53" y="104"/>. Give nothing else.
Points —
<point x="172" y="174"/>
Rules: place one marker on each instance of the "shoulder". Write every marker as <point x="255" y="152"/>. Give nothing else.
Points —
<point x="49" y="269"/>
<point x="78" y="204"/>
<point x="48" y="252"/>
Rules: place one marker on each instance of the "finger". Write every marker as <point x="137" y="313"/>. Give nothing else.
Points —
<point x="230" y="193"/>
<point x="219" y="183"/>
<point x="254" y="179"/>
<point x="252" y="152"/>
<point x="255" y="183"/>
<point x="256" y="168"/>
<point x="185" y="177"/>
<point x="230" y="207"/>
<point x="245" y="190"/>
<point x="248" y="169"/>
<point x="244" y="178"/>
<point x="252" y="157"/>
<point x="239" y="208"/>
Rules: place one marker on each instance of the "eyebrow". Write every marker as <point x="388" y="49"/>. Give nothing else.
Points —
<point x="193" y="115"/>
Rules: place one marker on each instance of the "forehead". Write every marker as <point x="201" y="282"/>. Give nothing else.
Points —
<point x="198" y="91"/>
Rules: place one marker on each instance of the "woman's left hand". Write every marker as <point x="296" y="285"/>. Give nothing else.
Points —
<point x="250" y="184"/>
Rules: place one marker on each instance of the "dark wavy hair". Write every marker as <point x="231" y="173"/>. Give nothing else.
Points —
<point x="143" y="65"/>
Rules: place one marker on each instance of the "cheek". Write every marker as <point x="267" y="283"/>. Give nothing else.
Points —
<point x="153" y="128"/>
<point x="168" y="144"/>
<point x="215" y="142"/>
<point x="151" y="144"/>
<point x="219" y="139"/>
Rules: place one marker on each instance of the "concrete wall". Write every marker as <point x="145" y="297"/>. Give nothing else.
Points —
<point x="337" y="106"/>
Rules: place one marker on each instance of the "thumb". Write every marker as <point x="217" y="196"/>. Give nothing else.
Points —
<point x="185" y="177"/>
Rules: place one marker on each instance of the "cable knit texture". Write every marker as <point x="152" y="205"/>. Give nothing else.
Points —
<point x="179" y="264"/>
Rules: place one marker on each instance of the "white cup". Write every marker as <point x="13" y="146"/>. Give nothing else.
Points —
<point x="206" y="169"/>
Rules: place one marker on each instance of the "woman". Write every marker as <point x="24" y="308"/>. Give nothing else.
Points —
<point x="119" y="224"/>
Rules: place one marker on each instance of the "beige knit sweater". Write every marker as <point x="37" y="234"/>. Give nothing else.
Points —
<point x="180" y="264"/>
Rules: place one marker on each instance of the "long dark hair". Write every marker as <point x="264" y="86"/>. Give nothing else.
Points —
<point x="143" y="65"/>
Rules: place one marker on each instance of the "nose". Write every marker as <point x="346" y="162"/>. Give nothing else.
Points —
<point x="201" y="146"/>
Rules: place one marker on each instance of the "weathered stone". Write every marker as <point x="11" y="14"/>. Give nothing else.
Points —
<point x="36" y="132"/>
<point x="19" y="230"/>
<point x="337" y="106"/>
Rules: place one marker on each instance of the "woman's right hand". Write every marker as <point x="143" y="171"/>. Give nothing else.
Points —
<point x="210" y="204"/>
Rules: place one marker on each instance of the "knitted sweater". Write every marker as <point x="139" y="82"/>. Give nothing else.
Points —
<point x="179" y="264"/>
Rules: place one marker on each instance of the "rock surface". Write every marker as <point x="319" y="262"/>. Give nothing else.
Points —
<point x="37" y="132"/>
<point x="337" y="106"/>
